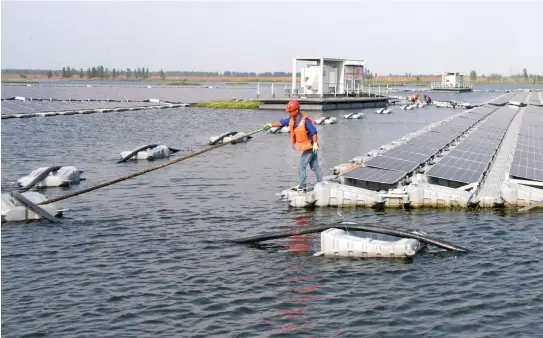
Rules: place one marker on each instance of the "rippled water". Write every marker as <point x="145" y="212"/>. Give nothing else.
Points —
<point x="150" y="256"/>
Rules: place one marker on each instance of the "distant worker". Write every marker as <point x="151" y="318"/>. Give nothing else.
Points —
<point x="413" y="98"/>
<point x="304" y="139"/>
<point x="427" y="99"/>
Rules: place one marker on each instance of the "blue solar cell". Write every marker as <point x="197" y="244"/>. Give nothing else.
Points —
<point x="484" y="158"/>
<point x="374" y="175"/>
<point x="453" y="174"/>
<point x="385" y="162"/>
<point x="475" y="149"/>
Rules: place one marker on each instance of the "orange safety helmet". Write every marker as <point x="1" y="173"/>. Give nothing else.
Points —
<point x="293" y="105"/>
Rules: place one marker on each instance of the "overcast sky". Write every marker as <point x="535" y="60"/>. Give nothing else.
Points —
<point x="392" y="37"/>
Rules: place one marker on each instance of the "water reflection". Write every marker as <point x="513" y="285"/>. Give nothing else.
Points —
<point x="294" y="307"/>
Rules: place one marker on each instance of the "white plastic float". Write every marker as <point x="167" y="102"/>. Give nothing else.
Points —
<point x="326" y="120"/>
<point x="277" y="130"/>
<point x="147" y="152"/>
<point x="407" y="107"/>
<point x="54" y="177"/>
<point x="227" y="137"/>
<point x="353" y="116"/>
<point x="383" y="111"/>
<point x="340" y="243"/>
<point x="13" y="210"/>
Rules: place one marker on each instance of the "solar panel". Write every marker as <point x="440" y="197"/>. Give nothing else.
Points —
<point x="428" y="146"/>
<point x="460" y="124"/>
<point x="483" y="110"/>
<point x="475" y="149"/>
<point x="471" y="116"/>
<point x="461" y="163"/>
<point x="483" y="143"/>
<point x="529" y="141"/>
<point x="453" y="174"/>
<point x="486" y="134"/>
<point x="411" y="148"/>
<point x="445" y="130"/>
<point x="530" y="173"/>
<point x="529" y="148"/>
<point x="484" y="158"/>
<point x="385" y="162"/>
<point x="528" y="159"/>
<point x="532" y="132"/>
<point x="492" y="128"/>
<point x="374" y="175"/>
<point x="402" y="154"/>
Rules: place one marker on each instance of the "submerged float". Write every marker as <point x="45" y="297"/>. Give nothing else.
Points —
<point x="349" y="239"/>
<point x="341" y="243"/>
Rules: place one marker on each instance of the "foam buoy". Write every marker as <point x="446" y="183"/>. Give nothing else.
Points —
<point x="56" y="176"/>
<point x="147" y="152"/>
<point x="227" y="137"/>
<point x="23" y="206"/>
<point x="326" y="120"/>
<point x="353" y="116"/>
<point x="277" y="130"/>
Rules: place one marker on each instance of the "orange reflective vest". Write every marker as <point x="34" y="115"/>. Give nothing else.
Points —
<point x="298" y="136"/>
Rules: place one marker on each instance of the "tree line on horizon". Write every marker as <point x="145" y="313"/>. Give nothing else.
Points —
<point x="142" y="73"/>
<point x="497" y="77"/>
<point x="99" y="72"/>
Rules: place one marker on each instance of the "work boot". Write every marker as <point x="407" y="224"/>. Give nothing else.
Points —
<point x="299" y="188"/>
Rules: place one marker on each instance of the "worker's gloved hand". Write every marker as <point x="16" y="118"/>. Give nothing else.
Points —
<point x="267" y="126"/>
<point x="315" y="147"/>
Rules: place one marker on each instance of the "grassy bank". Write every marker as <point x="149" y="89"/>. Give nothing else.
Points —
<point x="249" y="104"/>
<point x="18" y="81"/>
<point x="182" y="83"/>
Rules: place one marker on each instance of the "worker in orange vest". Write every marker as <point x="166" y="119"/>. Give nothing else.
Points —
<point x="304" y="139"/>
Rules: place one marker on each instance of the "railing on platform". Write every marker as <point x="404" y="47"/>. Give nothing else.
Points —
<point x="330" y="90"/>
<point x="460" y="85"/>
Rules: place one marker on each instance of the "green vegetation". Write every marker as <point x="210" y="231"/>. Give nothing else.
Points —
<point x="18" y="81"/>
<point x="249" y="104"/>
<point x="182" y="83"/>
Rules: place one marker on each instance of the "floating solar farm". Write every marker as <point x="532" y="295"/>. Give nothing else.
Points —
<point x="488" y="156"/>
<point x="38" y="100"/>
<point x="35" y="108"/>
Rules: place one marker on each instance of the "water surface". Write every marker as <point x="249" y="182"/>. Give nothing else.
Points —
<point x="150" y="256"/>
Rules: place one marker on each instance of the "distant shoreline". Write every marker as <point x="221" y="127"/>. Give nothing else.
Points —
<point x="380" y="80"/>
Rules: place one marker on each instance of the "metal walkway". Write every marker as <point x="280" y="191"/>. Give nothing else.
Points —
<point x="489" y="192"/>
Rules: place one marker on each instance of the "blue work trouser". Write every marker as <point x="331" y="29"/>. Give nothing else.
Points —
<point x="306" y="158"/>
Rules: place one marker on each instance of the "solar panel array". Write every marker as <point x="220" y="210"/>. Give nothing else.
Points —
<point x="468" y="161"/>
<point x="520" y="97"/>
<point x="391" y="166"/>
<point x="28" y="107"/>
<point x="173" y="94"/>
<point x="535" y="99"/>
<point x="501" y="101"/>
<point x="528" y="158"/>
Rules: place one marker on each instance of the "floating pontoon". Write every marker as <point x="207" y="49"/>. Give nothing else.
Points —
<point x="147" y="152"/>
<point x="50" y="177"/>
<point x="326" y="120"/>
<point x="464" y="161"/>
<point x="15" y="208"/>
<point x="227" y="137"/>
